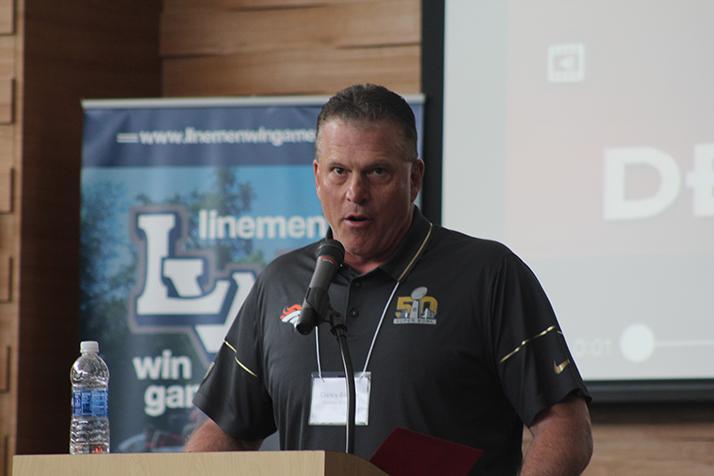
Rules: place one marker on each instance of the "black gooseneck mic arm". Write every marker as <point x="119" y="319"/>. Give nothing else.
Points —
<point x="316" y="308"/>
<point x="339" y="330"/>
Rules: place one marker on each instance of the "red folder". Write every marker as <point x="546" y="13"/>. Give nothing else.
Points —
<point x="406" y="452"/>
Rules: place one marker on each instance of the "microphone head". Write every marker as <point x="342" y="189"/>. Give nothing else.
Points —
<point x="333" y="249"/>
<point x="330" y="255"/>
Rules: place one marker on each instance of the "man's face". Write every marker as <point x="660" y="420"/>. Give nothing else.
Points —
<point x="366" y="186"/>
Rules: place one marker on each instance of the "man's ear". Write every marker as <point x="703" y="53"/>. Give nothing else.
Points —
<point x="416" y="177"/>
<point x="316" y="173"/>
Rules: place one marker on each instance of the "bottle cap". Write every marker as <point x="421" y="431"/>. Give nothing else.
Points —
<point x="89" y="346"/>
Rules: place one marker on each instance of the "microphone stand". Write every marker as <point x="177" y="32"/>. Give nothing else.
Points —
<point x="316" y="308"/>
<point x="339" y="330"/>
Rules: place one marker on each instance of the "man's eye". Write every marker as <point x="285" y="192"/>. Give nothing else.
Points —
<point x="379" y="171"/>
<point x="338" y="170"/>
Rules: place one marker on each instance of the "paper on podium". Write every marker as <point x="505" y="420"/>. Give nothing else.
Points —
<point x="406" y="452"/>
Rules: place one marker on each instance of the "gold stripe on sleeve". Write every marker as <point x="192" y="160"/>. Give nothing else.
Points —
<point x="235" y="357"/>
<point x="527" y="341"/>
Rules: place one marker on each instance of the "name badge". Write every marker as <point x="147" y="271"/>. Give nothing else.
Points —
<point x="328" y="405"/>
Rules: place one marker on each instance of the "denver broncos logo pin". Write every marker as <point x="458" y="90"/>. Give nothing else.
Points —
<point x="290" y="314"/>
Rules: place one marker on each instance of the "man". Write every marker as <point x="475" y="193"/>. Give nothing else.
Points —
<point x="456" y="336"/>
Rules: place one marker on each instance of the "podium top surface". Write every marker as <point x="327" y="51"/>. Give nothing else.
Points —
<point x="259" y="463"/>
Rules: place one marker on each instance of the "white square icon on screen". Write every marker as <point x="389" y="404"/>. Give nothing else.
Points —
<point x="566" y="63"/>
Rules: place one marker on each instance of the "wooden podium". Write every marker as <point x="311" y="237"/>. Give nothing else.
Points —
<point x="259" y="463"/>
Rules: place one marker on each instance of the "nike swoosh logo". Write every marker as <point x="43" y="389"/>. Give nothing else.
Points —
<point x="558" y="369"/>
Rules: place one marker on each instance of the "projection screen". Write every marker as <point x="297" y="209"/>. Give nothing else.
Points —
<point x="581" y="134"/>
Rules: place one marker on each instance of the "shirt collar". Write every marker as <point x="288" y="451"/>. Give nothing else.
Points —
<point x="410" y="248"/>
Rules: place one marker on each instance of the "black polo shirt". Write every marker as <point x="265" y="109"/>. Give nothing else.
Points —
<point x="469" y="350"/>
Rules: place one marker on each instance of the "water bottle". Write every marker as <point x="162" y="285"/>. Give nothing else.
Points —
<point x="89" y="429"/>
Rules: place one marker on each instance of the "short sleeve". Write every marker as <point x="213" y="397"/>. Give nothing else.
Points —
<point x="533" y="361"/>
<point x="233" y="393"/>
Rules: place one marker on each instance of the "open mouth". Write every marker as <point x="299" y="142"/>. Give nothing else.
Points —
<point x="356" y="218"/>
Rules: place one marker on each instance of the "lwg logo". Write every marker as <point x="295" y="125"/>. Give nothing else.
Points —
<point x="180" y="290"/>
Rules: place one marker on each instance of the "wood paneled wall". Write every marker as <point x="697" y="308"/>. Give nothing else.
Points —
<point x="241" y="47"/>
<point x="9" y="226"/>
<point x="653" y="439"/>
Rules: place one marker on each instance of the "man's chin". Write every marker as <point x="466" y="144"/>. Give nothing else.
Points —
<point x="357" y="251"/>
<point x="354" y="243"/>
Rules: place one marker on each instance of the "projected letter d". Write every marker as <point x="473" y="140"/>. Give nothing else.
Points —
<point x="616" y="204"/>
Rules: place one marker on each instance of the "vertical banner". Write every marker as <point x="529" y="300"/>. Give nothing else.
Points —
<point x="183" y="204"/>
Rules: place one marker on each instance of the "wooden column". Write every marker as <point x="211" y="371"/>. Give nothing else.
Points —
<point x="72" y="50"/>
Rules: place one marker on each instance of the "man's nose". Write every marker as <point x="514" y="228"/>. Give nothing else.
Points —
<point x="357" y="189"/>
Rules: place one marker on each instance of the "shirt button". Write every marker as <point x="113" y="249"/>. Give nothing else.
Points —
<point x="357" y="284"/>
<point x="354" y="312"/>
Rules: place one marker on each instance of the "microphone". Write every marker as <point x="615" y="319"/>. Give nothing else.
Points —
<point x="330" y="255"/>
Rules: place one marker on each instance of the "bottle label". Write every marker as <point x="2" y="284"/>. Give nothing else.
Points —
<point x="90" y="403"/>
